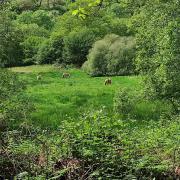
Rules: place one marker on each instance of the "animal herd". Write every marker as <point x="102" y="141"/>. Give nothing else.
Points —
<point x="67" y="75"/>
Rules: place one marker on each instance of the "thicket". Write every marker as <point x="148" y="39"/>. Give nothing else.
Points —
<point x="158" y="34"/>
<point x="14" y="104"/>
<point x="113" y="55"/>
<point x="96" y="146"/>
<point x="15" y="108"/>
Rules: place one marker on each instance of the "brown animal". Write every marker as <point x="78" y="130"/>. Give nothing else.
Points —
<point x="66" y="75"/>
<point x="108" y="81"/>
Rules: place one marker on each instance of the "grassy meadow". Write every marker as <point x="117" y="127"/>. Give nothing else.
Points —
<point x="57" y="98"/>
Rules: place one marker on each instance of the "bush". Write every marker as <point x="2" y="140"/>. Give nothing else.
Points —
<point x="97" y="59"/>
<point x="117" y="10"/>
<point x="113" y="55"/>
<point x="14" y="105"/>
<point x="45" y="53"/>
<point x="124" y="103"/>
<point x="15" y="108"/>
<point x="97" y="146"/>
<point x="51" y="50"/>
<point x="31" y="30"/>
<point x="77" y="45"/>
<point x="135" y="105"/>
<point x="52" y="5"/>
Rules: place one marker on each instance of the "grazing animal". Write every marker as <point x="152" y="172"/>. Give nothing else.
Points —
<point x="108" y="81"/>
<point x="66" y="75"/>
<point x="39" y="77"/>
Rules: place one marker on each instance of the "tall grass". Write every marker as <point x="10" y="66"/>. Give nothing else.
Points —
<point x="56" y="98"/>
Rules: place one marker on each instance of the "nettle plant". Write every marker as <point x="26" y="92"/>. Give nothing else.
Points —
<point x="15" y="105"/>
<point x="97" y="146"/>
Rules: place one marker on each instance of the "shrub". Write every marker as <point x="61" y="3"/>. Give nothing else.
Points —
<point x="118" y="10"/>
<point x="14" y="105"/>
<point x="124" y="103"/>
<point x="51" y="50"/>
<point x="77" y="45"/>
<point x="31" y="30"/>
<point x="112" y="55"/>
<point x="135" y="105"/>
<point x="52" y="5"/>
<point x="43" y="19"/>
<point x="121" y="56"/>
<point x="97" y="59"/>
<point x="104" y="147"/>
<point x="97" y="147"/>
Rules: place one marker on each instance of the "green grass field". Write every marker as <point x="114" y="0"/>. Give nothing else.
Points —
<point x="56" y="98"/>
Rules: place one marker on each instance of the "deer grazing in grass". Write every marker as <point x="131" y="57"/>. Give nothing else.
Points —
<point x="108" y="81"/>
<point x="66" y="75"/>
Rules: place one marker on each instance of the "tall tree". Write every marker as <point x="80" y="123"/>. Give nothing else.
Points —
<point x="158" y="37"/>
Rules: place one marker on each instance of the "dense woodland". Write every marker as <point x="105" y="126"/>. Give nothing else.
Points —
<point x="78" y="128"/>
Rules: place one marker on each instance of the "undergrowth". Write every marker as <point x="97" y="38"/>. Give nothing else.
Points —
<point x="96" y="147"/>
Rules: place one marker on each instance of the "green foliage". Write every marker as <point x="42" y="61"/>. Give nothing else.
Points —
<point x="10" y="50"/>
<point x="97" y="143"/>
<point x="34" y="27"/>
<point x="75" y="133"/>
<point x="37" y="20"/>
<point x="23" y="5"/>
<point x="14" y="106"/>
<point x="40" y="17"/>
<point x="157" y="27"/>
<point x="112" y="55"/>
<point x="122" y="9"/>
<point x="84" y="8"/>
<point x="51" y="50"/>
<point x="33" y="37"/>
<point x="133" y="104"/>
<point x="30" y="48"/>
<point x="124" y="103"/>
<point x="45" y="53"/>
<point x="77" y="45"/>
<point x="99" y="147"/>
<point x="52" y="5"/>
